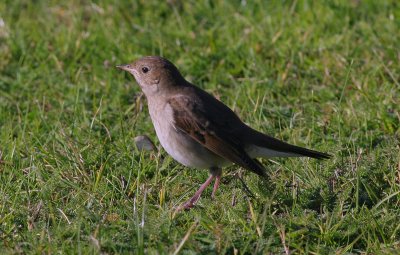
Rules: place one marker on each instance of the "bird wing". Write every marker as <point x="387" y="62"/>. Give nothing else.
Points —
<point x="213" y="127"/>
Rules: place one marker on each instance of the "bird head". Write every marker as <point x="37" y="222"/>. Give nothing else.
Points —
<point x="154" y="74"/>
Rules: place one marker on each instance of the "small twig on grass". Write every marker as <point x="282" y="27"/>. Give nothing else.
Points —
<point x="34" y="215"/>
<point x="1" y="156"/>
<point x="65" y="216"/>
<point x="282" y="235"/>
<point x="186" y="237"/>
<point x="398" y="172"/>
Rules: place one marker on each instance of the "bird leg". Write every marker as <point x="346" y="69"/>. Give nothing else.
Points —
<point x="217" y="172"/>
<point x="192" y="201"/>
<point x="214" y="173"/>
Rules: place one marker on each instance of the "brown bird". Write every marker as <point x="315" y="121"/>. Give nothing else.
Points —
<point x="198" y="130"/>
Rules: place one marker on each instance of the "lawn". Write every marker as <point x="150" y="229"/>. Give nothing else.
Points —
<point x="319" y="74"/>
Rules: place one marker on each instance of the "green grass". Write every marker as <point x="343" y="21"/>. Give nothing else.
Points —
<point x="325" y="75"/>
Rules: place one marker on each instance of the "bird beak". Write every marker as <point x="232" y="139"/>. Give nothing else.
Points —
<point x="125" y="67"/>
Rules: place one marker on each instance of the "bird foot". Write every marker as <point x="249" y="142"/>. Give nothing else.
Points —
<point x="190" y="203"/>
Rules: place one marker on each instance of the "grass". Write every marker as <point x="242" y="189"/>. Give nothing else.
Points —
<point x="319" y="74"/>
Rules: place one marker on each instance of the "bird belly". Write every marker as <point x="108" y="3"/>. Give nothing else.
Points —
<point x="181" y="146"/>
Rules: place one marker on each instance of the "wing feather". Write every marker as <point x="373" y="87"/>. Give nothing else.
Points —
<point x="191" y="118"/>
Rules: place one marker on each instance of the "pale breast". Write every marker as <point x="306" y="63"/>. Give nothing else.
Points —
<point x="178" y="144"/>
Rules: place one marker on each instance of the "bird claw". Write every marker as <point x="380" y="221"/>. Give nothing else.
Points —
<point x="190" y="203"/>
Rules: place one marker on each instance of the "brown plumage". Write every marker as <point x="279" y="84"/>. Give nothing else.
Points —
<point x="200" y="131"/>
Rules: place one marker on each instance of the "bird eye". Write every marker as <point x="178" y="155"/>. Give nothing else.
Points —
<point x="145" y="69"/>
